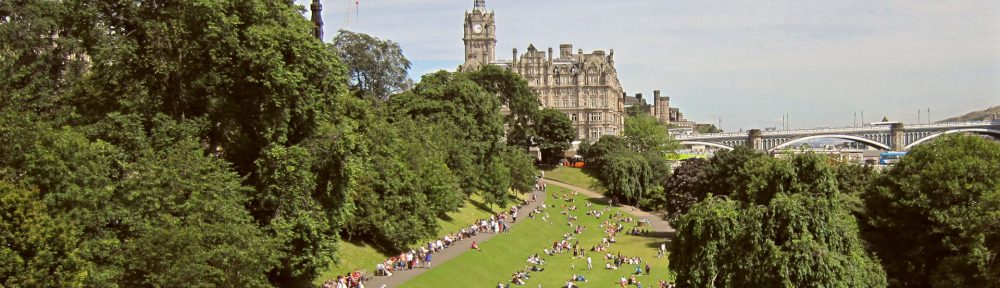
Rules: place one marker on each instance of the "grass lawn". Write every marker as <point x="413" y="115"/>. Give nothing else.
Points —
<point x="680" y="157"/>
<point x="505" y="254"/>
<point x="574" y="176"/>
<point x="358" y="255"/>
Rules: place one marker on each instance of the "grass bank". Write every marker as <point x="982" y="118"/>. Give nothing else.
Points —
<point x="574" y="176"/>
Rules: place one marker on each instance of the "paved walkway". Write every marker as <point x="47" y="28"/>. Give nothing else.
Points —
<point x="400" y="277"/>
<point x="658" y="225"/>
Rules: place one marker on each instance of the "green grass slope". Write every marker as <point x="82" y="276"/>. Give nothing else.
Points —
<point x="505" y="254"/>
<point x="574" y="176"/>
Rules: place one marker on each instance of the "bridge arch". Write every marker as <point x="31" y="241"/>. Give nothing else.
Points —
<point x="706" y="144"/>
<point x="995" y="133"/>
<point x="865" y="141"/>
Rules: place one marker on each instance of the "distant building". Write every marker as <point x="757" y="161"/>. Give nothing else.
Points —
<point x="584" y="86"/>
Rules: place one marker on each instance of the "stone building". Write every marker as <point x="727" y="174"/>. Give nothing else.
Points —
<point x="584" y="86"/>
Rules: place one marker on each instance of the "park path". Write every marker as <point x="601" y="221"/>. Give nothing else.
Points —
<point x="658" y="225"/>
<point x="400" y="277"/>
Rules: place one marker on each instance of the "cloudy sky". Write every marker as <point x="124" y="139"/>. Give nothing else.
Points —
<point x="744" y="62"/>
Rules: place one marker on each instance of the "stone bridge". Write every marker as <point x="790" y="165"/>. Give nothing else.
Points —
<point x="889" y="136"/>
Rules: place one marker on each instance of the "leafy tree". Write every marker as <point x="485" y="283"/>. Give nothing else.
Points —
<point x="184" y="222"/>
<point x="38" y="64"/>
<point x="522" y="170"/>
<point x="636" y="110"/>
<point x="686" y="186"/>
<point x="595" y="153"/>
<point x="406" y="183"/>
<point x="626" y="175"/>
<point x="643" y="133"/>
<point x="702" y="253"/>
<point x="785" y="217"/>
<point x="466" y="109"/>
<point x="724" y="169"/>
<point x="555" y="132"/>
<point x="168" y="214"/>
<point x="377" y="68"/>
<point x="38" y="250"/>
<point x="516" y="95"/>
<point x="933" y="216"/>
<point x="707" y="128"/>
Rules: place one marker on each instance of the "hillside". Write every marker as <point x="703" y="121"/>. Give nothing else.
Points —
<point x="987" y="114"/>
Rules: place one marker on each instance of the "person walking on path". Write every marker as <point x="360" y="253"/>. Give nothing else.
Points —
<point x="427" y="261"/>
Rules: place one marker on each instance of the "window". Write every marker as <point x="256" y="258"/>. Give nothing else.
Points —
<point x="595" y="116"/>
<point x="574" y="117"/>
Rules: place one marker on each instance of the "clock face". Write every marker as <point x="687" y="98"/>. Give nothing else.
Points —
<point x="478" y="28"/>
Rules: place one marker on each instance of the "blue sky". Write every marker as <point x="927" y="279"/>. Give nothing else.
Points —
<point x="746" y="62"/>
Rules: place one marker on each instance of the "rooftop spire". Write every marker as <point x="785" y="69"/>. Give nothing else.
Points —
<point x="480" y="5"/>
<point x="317" y="19"/>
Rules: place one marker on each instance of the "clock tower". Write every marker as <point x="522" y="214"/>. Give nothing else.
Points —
<point x="480" y="37"/>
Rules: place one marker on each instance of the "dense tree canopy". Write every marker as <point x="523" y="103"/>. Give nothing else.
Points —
<point x="376" y="67"/>
<point x="933" y="216"/>
<point x="785" y="217"/>
<point x="686" y="186"/>
<point x="555" y="134"/>
<point x="515" y="94"/>
<point x="643" y="133"/>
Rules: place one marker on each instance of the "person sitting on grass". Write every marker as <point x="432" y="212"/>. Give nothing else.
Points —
<point x="475" y="246"/>
<point x="609" y="266"/>
<point x="516" y="280"/>
<point x="569" y="284"/>
<point x="536" y="268"/>
<point x="579" y="278"/>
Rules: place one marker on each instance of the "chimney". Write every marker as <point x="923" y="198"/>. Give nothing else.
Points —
<point x="579" y="54"/>
<point x="514" y="60"/>
<point x="565" y="51"/>
<point x="550" y="54"/>
<point x="656" y="104"/>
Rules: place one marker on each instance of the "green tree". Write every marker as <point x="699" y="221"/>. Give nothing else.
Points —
<point x="933" y="216"/>
<point x="595" y="153"/>
<point x="686" y="186"/>
<point x="463" y="107"/>
<point x="377" y="68"/>
<point x="724" y="169"/>
<point x="707" y="128"/>
<point x="522" y="170"/>
<point x="626" y="176"/>
<point x="405" y="185"/>
<point x="516" y="95"/>
<point x="167" y="214"/>
<point x="555" y="134"/>
<point x="643" y="133"/>
<point x="184" y="222"/>
<point x="784" y="216"/>
<point x="36" y="249"/>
